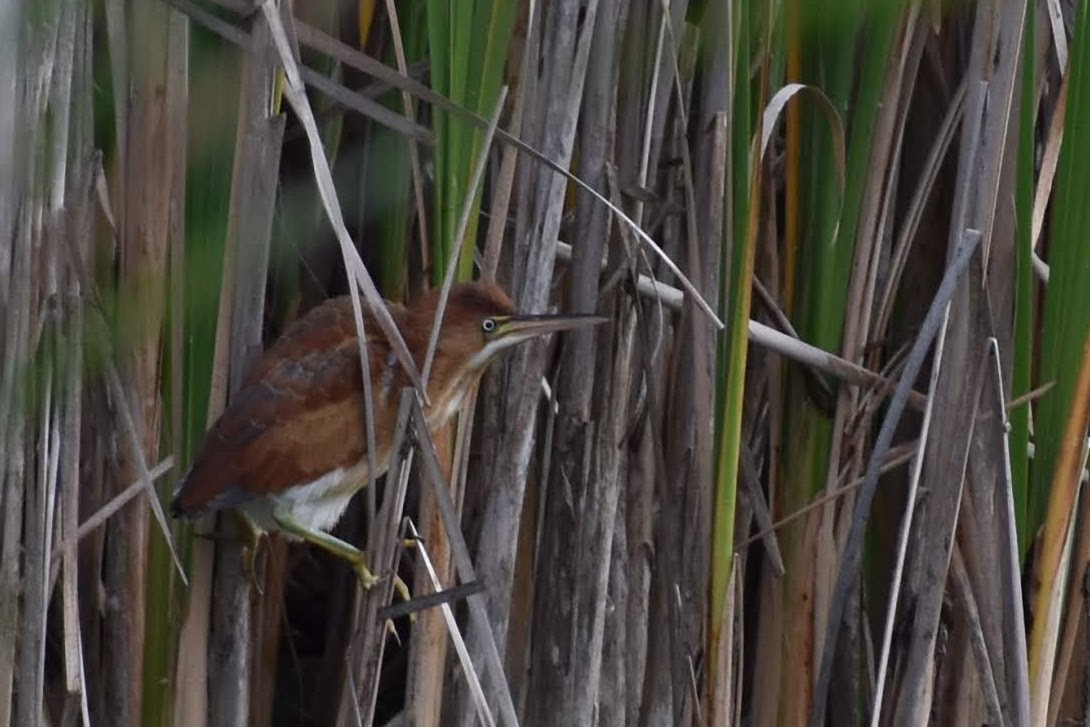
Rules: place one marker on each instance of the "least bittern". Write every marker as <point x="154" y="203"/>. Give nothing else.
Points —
<point x="289" y="451"/>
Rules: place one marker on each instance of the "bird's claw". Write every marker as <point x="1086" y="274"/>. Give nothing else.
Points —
<point x="402" y="589"/>
<point x="391" y="629"/>
<point x="367" y="578"/>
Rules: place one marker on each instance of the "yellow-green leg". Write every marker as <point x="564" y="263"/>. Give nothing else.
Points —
<point x="253" y="536"/>
<point x="327" y="542"/>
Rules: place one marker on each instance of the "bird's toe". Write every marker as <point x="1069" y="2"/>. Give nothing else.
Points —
<point x="367" y="578"/>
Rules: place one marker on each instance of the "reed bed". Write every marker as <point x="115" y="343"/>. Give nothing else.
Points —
<point x="824" y="465"/>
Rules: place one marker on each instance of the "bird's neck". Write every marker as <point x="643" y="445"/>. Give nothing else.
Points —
<point x="448" y="397"/>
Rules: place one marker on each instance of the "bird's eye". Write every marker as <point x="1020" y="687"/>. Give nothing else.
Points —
<point x="488" y="325"/>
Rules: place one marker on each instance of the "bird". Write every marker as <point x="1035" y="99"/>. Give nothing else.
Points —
<point x="289" y="451"/>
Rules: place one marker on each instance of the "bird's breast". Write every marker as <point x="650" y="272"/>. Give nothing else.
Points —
<point x="319" y="504"/>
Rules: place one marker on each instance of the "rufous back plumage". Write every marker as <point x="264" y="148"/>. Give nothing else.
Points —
<point x="300" y="414"/>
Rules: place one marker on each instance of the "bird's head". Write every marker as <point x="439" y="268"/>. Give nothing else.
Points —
<point x="481" y="323"/>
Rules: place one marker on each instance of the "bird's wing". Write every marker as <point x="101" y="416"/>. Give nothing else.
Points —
<point x="323" y="326"/>
<point x="298" y="416"/>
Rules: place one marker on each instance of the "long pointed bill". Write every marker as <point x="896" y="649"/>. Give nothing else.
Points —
<point x="517" y="329"/>
<point x="513" y="330"/>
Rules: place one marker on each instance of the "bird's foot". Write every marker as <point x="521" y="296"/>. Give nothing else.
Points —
<point x="402" y="589"/>
<point x="367" y="578"/>
<point x="391" y="629"/>
<point x="253" y="536"/>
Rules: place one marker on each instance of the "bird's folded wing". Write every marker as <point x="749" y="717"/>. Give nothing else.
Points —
<point x="298" y="417"/>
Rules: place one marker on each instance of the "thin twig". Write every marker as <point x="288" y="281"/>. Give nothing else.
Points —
<point x="906" y="530"/>
<point x="459" y="237"/>
<point x="456" y="636"/>
<point x="360" y="61"/>
<point x="852" y="557"/>
<point x="100" y="516"/>
<point x="897" y="458"/>
<point x="293" y="89"/>
<point x="1030" y="396"/>
<point x="318" y="40"/>
<point x="963" y="591"/>
<point x="414" y="153"/>
<point x="1010" y="583"/>
<point x="117" y="392"/>
<point x="431" y="600"/>
<point x="504" y="182"/>
<point x="368" y="640"/>
<point x="463" y="564"/>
